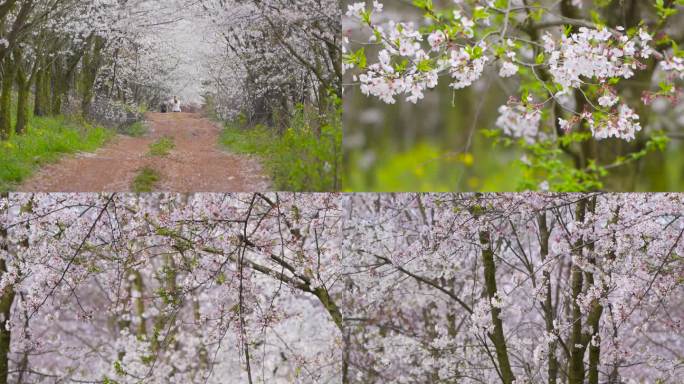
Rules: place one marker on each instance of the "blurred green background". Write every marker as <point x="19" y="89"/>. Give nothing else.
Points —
<point x="438" y="144"/>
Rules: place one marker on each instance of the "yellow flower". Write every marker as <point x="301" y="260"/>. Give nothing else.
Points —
<point x="466" y="158"/>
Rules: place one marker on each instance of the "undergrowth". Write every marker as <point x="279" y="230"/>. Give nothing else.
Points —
<point x="45" y="141"/>
<point x="145" y="181"/>
<point x="299" y="159"/>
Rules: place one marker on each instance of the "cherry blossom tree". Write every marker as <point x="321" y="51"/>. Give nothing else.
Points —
<point x="287" y="52"/>
<point x="323" y="288"/>
<point x="104" y="59"/>
<point x="64" y="49"/>
<point x="585" y="73"/>
<point x="515" y="288"/>
<point x="171" y="288"/>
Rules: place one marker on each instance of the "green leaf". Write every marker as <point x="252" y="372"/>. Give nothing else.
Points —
<point x="480" y="13"/>
<point x="118" y="368"/>
<point x="357" y="58"/>
<point x="424" y="4"/>
<point x="425" y="65"/>
<point x="567" y="29"/>
<point x="663" y="11"/>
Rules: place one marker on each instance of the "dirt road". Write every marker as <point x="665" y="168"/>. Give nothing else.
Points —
<point x="196" y="164"/>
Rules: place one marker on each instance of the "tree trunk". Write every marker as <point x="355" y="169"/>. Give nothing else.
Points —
<point x="23" y="112"/>
<point x="497" y="336"/>
<point x="91" y="65"/>
<point x="323" y="107"/>
<point x="547" y="305"/>
<point x="5" y="335"/>
<point x="42" y="91"/>
<point x="63" y="74"/>
<point x="593" y="339"/>
<point x="24" y="90"/>
<point x="58" y="80"/>
<point x="37" y="102"/>
<point x="577" y="347"/>
<point x="6" y="98"/>
<point x="170" y="297"/>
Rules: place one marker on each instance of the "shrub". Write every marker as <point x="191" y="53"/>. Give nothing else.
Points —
<point x="300" y="158"/>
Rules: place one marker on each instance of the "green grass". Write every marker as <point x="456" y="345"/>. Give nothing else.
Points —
<point x="146" y="180"/>
<point x="297" y="160"/>
<point x="136" y="129"/>
<point x="47" y="139"/>
<point x="162" y="147"/>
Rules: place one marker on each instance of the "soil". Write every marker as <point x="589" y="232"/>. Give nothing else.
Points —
<point x="196" y="164"/>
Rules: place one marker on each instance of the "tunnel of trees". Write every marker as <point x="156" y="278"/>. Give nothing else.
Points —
<point x="104" y="59"/>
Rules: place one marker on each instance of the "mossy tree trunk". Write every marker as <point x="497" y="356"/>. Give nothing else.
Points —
<point x="23" y="93"/>
<point x="547" y="304"/>
<point x="9" y="72"/>
<point x="58" y="87"/>
<point x="42" y="90"/>
<point x="92" y="60"/>
<point x="63" y="71"/>
<point x="576" y="372"/>
<point x="170" y="297"/>
<point x="5" y="335"/>
<point x="6" y="300"/>
<point x="497" y="336"/>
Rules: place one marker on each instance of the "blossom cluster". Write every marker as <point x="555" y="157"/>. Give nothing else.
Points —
<point x="519" y="121"/>
<point x="596" y="54"/>
<point x="624" y="125"/>
<point x="458" y="43"/>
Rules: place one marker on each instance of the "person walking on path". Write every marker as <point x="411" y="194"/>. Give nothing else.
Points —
<point x="176" y="104"/>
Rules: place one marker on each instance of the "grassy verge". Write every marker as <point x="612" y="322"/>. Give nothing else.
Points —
<point x="162" y="147"/>
<point x="297" y="160"/>
<point x="46" y="140"/>
<point x="136" y="129"/>
<point x="146" y="180"/>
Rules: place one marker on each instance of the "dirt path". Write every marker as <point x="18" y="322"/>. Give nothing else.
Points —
<point x="196" y="164"/>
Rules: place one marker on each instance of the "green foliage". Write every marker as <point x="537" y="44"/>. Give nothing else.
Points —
<point x="664" y="11"/>
<point x="145" y="181"/>
<point x="426" y="167"/>
<point x="424" y="4"/>
<point x="118" y="368"/>
<point x="418" y="169"/>
<point x="162" y="147"/>
<point x="425" y="65"/>
<point x="136" y="129"/>
<point x="298" y="159"/>
<point x="46" y="140"/>
<point x="546" y="164"/>
<point x="357" y="58"/>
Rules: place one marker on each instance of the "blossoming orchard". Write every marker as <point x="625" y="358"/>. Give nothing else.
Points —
<point x="586" y="72"/>
<point x="515" y="288"/>
<point x="171" y="289"/>
<point x="234" y="77"/>
<point x="327" y="288"/>
<point x="104" y="58"/>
